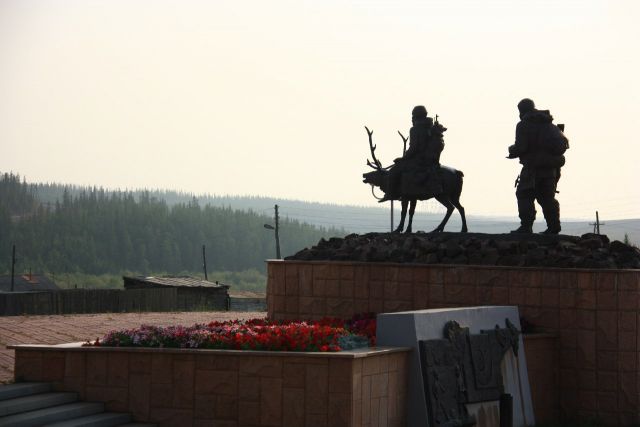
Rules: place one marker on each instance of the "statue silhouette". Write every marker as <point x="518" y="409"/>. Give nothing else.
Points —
<point x="418" y="175"/>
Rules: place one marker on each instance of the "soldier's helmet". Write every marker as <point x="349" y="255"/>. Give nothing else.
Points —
<point x="526" y="105"/>
<point x="419" y="111"/>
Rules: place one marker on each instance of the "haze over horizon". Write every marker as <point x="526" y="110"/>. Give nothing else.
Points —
<point x="271" y="99"/>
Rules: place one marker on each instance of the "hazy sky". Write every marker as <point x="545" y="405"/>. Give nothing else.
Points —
<point x="270" y="97"/>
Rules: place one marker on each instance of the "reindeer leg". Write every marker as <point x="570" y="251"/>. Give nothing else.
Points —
<point x="412" y="209"/>
<point x="403" y="214"/>
<point x="447" y="204"/>
<point x="458" y="206"/>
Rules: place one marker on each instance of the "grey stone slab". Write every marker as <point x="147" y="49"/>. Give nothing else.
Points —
<point x="36" y="401"/>
<point x="11" y="391"/>
<point x="106" y="419"/>
<point x="50" y="415"/>
<point x="405" y="329"/>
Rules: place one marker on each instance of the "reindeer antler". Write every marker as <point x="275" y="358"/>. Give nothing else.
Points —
<point x="404" y="148"/>
<point x="376" y="163"/>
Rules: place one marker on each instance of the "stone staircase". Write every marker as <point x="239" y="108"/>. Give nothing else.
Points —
<point x="35" y="404"/>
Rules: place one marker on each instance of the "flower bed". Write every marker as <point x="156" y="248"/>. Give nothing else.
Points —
<point x="325" y="335"/>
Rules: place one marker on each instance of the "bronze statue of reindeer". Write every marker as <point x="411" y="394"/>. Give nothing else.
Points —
<point x="449" y="197"/>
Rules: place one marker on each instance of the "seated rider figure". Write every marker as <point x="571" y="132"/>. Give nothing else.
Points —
<point x="415" y="174"/>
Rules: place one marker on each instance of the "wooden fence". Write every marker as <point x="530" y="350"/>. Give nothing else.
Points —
<point x="112" y="301"/>
<point x="247" y="304"/>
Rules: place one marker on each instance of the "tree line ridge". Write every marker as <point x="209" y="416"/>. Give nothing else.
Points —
<point x="96" y="231"/>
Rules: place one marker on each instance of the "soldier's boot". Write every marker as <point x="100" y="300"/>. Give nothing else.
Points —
<point x="393" y="189"/>
<point x="434" y="180"/>
<point x="524" y="229"/>
<point x="551" y="230"/>
<point x="552" y="216"/>
<point x="553" y="224"/>
<point x="526" y="212"/>
<point x="387" y="197"/>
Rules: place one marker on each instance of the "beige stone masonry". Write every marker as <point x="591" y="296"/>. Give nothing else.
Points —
<point x="184" y="387"/>
<point x="594" y="314"/>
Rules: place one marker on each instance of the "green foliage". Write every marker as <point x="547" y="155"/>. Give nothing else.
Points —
<point x="96" y="232"/>
<point x="87" y="281"/>
<point x="17" y="199"/>
<point x="247" y="280"/>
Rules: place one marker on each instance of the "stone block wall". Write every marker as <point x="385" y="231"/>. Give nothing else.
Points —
<point x="173" y="387"/>
<point x="544" y="370"/>
<point x="594" y="313"/>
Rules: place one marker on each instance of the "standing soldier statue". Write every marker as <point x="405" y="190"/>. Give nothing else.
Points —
<point x="540" y="146"/>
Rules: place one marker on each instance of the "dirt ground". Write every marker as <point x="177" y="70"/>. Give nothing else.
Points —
<point x="82" y="327"/>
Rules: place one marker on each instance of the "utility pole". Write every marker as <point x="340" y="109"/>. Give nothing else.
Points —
<point x="597" y="224"/>
<point x="204" y="262"/>
<point x="276" y="229"/>
<point x="277" y="232"/>
<point x="13" y="267"/>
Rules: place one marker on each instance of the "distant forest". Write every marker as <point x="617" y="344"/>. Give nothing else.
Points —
<point x="58" y="229"/>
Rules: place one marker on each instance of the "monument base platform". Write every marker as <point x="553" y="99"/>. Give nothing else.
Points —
<point x="593" y="312"/>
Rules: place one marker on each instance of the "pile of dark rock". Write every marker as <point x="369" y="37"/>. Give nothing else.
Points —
<point x="523" y="250"/>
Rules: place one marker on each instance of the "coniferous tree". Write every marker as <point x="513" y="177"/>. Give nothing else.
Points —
<point x="91" y="231"/>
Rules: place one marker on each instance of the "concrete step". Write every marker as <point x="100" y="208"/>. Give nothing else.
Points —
<point x="36" y="401"/>
<point x="51" y="415"/>
<point x="11" y="391"/>
<point x="106" y="419"/>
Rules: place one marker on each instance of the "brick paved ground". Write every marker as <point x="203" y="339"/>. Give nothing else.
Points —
<point x="81" y="327"/>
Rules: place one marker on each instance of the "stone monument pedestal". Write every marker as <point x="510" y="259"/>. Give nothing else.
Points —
<point x="468" y="378"/>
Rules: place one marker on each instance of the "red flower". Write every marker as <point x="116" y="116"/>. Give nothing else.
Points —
<point x="255" y="334"/>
